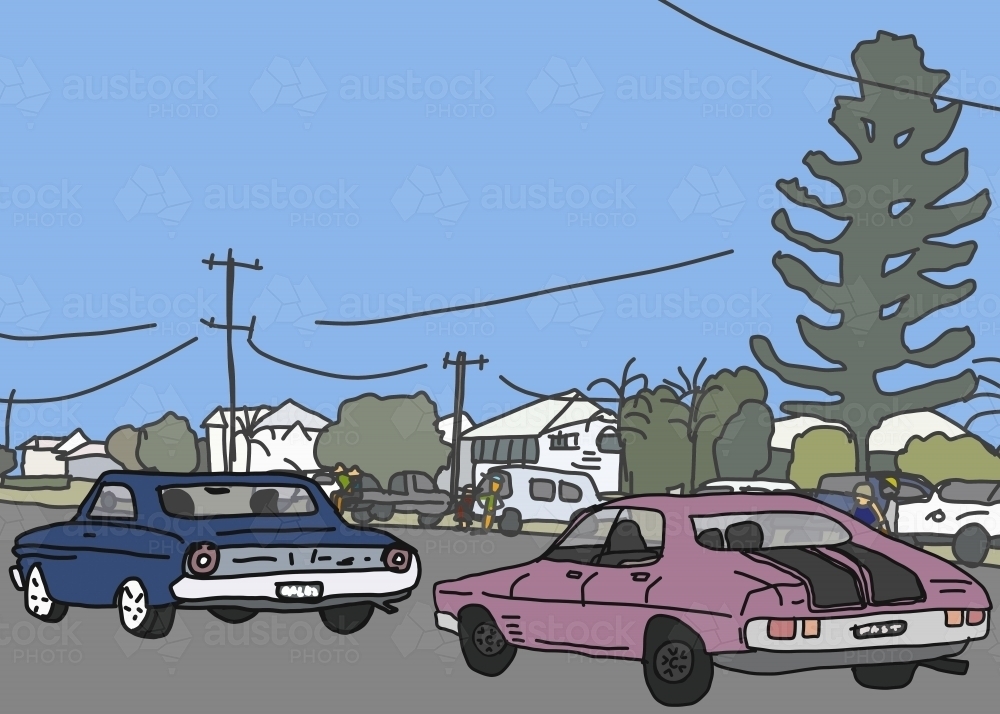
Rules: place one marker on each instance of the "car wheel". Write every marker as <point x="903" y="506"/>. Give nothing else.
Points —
<point x="884" y="676"/>
<point x="510" y="522"/>
<point x="232" y="615"/>
<point x="429" y="521"/>
<point x="382" y="513"/>
<point x="971" y="545"/>
<point x="347" y="619"/>
<point x="137" y="617"/>
<point x="361" y="516"/>
<point x="37" y="600"/>
<point x="483" y="644"/>
<point x="678" y="670"/>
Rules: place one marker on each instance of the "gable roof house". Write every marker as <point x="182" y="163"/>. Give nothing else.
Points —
<point x="75" y="456"/>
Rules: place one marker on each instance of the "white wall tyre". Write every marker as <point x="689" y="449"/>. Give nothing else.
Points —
<point x="37" y="600"/>
<point x="137" y="617"/>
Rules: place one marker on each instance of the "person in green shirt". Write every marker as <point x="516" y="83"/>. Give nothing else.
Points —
<point x="489" y="497"/>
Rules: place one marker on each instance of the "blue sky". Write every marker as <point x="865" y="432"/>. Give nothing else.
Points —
<point x="638" y="139"/>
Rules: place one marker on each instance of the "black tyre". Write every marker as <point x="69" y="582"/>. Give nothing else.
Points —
<point x="884" y="676"/>
<point x="347" y="619"/>
<point x="428" y="521"/>
<point x="678" y="670"/>
<point x="510" y="522"/>
<point x="382" y="513"/>
<point x="971" y="545"/>
<point x="483" y="644"/>
<point x="137" y="617"/>
<point x="37" y="600"/>
<point x="232" y="615"/>
<point x="361" y="516"/>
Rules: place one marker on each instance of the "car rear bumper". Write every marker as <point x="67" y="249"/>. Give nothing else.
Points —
<point x="378" y="586"/>
<point x="446" y="621"/>
<point x="785" y="662"/>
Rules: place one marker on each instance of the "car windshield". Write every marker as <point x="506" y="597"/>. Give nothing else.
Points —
<point x="207" y="500"/>
<point x="970" y="492"/>
<point x="778" y="530"/>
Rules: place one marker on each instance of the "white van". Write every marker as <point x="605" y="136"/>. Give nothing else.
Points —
<point x="537" y="494"/>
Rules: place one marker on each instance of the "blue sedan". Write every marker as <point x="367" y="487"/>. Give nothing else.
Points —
<point x="235" y="545"/>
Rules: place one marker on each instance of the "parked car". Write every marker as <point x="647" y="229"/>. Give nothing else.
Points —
<point x="148" y="544"/>
<point x="890" y="489"/>
<point x="750" y="485"/>
<point x="536" y="494"/>
<point x="406" y="492"/>
<point x="761" y="584"/>
<point x="962" y="514"/>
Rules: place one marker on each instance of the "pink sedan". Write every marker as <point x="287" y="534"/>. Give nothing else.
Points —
<point x="762" y="584"/>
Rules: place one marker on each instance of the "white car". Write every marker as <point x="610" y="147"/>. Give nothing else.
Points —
<point x="537" y="494"/>
<point x="749" y="485"/>
<point x="962" y="514"/>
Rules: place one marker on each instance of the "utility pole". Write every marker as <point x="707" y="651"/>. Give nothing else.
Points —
<point x="459" y="363"/>
<point x="231" y="266"/>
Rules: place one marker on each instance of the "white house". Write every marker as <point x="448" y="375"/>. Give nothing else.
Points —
<point x="44" y="455"/>
<point x="567" y="432"/>
<point x="891" y="436"/>
<point x="88" y="461"/>
<point x="267" y="438"/>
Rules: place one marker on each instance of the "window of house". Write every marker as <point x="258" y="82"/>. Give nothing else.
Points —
<point x="570" y="493"/>
<point x="542" y="489"/>
<point x="563" y="442"/>
<point x="510" y="450"/>
<point x="608" y="441"/>
<point x="113" y="502"/>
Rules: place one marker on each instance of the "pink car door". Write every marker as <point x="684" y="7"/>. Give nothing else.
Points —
<point x="547" y="596"/>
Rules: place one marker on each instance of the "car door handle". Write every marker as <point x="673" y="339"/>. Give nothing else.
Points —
<point x="640" y="577"/>
<point x="574" y="574"/>
<point x="88" y="534"/>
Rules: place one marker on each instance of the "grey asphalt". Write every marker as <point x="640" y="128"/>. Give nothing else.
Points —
<point x="398" y="663"/>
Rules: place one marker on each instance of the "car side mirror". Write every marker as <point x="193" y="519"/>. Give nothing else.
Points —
<point x="324" y="480"/>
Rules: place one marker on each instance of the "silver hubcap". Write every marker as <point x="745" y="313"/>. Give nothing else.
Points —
<point x="673" y="662"/>
<point x="488" y="639"/>
<point x="39" y="602"/>
<point x="133" y="604"/>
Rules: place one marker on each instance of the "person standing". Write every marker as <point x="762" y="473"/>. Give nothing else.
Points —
<point x="866" y="510"/>
<point x="490" y="499"/>
<point x="463" y="508"/>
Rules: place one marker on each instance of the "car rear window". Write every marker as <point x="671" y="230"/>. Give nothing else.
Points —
<point x="208" y="500"/>
<point x="778" y="529"/>
<point x="970" y="492"/>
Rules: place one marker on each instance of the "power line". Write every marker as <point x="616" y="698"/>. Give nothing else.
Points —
<point x="561" y="396"/>
<point x="525" y="296"/>
<point x="44" y="400"/>
<point x="64" y="335"/>
<point x="321" y="373"/>
<point x="821" y="70"/>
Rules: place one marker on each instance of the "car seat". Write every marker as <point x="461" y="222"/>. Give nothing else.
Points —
<point x="626" y="538"/>
<point x="745" y="536"/>
<point x="711" y="538"/>
<point x="264" y="502"/>
<point x="178" y="502"/>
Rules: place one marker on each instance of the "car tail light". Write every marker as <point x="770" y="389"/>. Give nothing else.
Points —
<point x="781" y="629"/>
<point x="953" y="618"/>
<point x="975" y="617"/>
<point x="204" y="559"/>
<point x="397" y="559"/>
<point x="810" y="628"/>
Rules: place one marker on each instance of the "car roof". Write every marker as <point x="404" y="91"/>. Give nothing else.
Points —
<point x="161" y="480"/>
<point x="715" y="504"/>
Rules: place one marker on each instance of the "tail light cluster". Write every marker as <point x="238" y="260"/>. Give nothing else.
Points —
<point x="397" y="559"/>
<point x="786" y="629"/>
<point x="203" y="559"/>
<point x="956" y="618"/>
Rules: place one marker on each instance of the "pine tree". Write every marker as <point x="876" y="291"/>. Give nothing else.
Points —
<point x="892" y="212"/>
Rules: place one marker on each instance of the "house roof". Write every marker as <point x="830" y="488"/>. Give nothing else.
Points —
<point x="61" y="444"/>
<point x="285" y="415"/>
<point x="220" y="417"/>
<point x="542" y="416"/>
<point x="891" y="436"/>
<point x="91" y="448"/>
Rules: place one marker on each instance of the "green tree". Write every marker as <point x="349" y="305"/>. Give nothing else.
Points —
<point x="8" y="460"/>
<point x="630" y="417"/>
<point x="819" y="451"/>
<point x="659" y="454"/>
<point x="891" y="214"/>
<point x="939" y="457"/>
<point x="384" y="435"/>
<point x="123" y="444"/>
<point x="743" y="449"/>
<point x="168" y="445"/>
